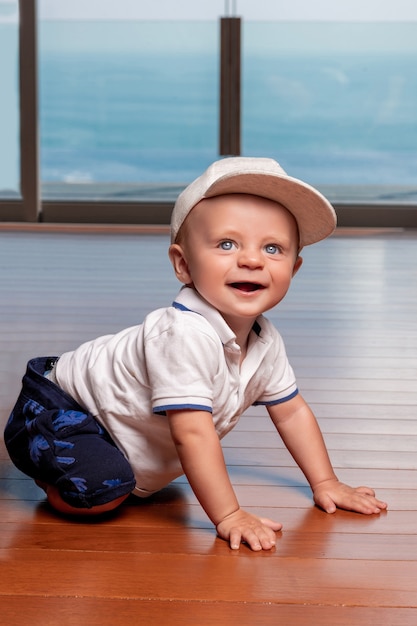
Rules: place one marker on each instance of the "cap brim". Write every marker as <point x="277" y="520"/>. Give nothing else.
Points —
<point x="314" y="214"/>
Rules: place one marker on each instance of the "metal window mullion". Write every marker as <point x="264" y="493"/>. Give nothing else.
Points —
<point x="229" y="141"/>
<point x="29" y="127"/>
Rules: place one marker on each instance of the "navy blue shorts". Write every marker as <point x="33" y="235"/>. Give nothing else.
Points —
<point x="51" y="438"/>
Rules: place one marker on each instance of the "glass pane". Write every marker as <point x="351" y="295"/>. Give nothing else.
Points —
<point x="129" y="102"/>
<point x="335" y="103"/>
<point x="9" y="118"/>
<point x="126" y="102"/>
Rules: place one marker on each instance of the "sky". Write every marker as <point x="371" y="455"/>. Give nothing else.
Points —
<point x="294" y="10"/>
<point x="253" y="10"/>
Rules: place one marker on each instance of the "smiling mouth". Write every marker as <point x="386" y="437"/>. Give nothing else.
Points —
<point x="247" y="286"/>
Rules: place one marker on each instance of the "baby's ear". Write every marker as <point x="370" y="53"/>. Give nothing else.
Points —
<point x="179" y="263"/>
<point x="298" y="263"/>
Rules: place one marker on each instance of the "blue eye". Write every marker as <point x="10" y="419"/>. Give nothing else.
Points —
<point x="226" y="245"/>
<point x="271" y="248"/>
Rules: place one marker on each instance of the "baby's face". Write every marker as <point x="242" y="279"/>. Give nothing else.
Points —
<point x="240" y="253"/>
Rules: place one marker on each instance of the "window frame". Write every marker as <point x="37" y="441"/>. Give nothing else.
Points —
<point x="32" y="208"/>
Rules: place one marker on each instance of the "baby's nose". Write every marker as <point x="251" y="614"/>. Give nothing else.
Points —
<point x="251" y="257"/>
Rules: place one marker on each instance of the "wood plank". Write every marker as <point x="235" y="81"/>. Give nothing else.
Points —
<point x="358" y="385"/>
<point x="274" y="476"/>
<point x="334" y="441"/>
<point x="174" y="512"/>
<point x="265" y="457"/>
<point x="69" y="611"/>
<point x="360" y="411"/>
<point x="250" y="490"/>
<point x="290" y="543"/>
<point x="252" y="577"/>
<point x="249" y="424"/>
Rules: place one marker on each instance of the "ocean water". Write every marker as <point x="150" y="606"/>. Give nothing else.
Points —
<point x="139" y="103"/>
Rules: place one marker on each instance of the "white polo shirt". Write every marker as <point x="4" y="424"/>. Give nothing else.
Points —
<point x="182" y="356"/>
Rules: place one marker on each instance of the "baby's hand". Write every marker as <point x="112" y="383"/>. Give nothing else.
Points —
<point x="332" y="494"/>
<point x="257" y="532"/>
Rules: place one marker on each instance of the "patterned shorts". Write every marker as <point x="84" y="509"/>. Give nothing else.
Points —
<point x="54" y="440"/>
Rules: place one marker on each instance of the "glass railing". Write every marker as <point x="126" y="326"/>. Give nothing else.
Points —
<point x="126" y="106"/>
<point x="336" y="103"/>
<point x="9" y="118"/>
<point x="130" y="109"/>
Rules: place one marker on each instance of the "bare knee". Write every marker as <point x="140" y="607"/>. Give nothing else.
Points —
<point x="55" y="500"/>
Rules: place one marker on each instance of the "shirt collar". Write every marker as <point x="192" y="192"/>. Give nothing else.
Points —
<point x="190" y="300"/>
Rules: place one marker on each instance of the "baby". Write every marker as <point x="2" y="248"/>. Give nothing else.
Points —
<point x="130" y="412"/>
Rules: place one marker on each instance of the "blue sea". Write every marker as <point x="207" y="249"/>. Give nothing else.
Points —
<point x="138" y="102"/>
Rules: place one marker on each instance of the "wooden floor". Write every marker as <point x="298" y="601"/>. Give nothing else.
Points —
<point x="350" y="325"/>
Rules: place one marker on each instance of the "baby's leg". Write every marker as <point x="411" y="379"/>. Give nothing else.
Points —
<point x="71" y="457"/>
<point x="97" y="477"/>
<point x="64" y="449"/>
<point x="55" y="500"/>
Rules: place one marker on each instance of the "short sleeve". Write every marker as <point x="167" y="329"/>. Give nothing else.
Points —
<point x="182" y="361"/>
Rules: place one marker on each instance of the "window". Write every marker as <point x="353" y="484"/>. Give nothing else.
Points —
<point x="334" y="102"/>
<point x="126" y="104"/>
<point x="123" y="104"/>
<point x="9" y="118"/>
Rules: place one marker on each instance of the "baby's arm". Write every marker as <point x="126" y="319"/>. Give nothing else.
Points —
<point x="301" y="434"/>
<point x="202" y="459"/>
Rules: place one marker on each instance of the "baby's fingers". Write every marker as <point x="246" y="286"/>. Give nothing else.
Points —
<point x="364" y="501"/>
<point x="359" y="499"/>
<point x="235" y="538"/>
<point x="259" y="539"/>
<point x="240" y="526"/>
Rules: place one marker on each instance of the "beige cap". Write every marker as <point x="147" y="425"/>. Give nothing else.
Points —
<point x="262" y="177"/>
